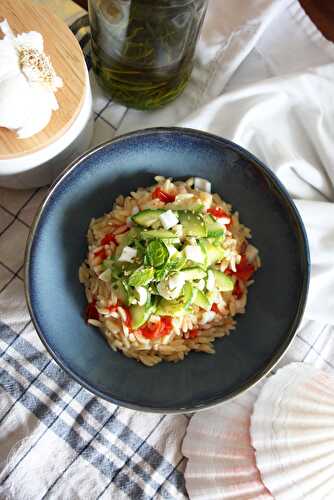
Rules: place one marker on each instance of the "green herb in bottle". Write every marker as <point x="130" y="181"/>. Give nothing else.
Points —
<point x="143" y="50"/>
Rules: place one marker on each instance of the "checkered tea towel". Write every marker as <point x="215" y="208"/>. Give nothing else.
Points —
<point x="263" y="77"/>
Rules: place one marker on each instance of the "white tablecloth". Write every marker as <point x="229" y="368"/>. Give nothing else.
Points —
<point x="264" y="78"/>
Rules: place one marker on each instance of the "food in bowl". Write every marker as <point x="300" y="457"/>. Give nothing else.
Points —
<point x="167" y="270"/>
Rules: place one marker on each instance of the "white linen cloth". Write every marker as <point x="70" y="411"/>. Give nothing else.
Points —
<point x="264" y="77"/>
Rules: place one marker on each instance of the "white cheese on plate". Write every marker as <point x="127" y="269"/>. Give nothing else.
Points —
<point x="128" y="254"/>
<point x="142" y="295"/>
<point x="177" y="280"/>
<point x="222" y="221"/>
<point x="194" y="253"/>
<point x="172" y="287"/>
<point x="168" y="219"/>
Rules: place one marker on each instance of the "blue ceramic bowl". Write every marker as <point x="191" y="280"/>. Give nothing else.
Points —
<point x="57" y="246"/>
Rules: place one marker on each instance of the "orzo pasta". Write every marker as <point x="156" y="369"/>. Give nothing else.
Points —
<point x="167" y="270"/>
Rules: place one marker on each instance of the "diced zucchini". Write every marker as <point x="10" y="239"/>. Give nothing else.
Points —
<point x="176" y="262"/>
<point x="121" y="292"/>
<point x="176" y="307"/>
<point x="159" y="234"/>
<point x="171" y="241"/>
<point x="224" y="283"/>
<point x="147" y="217"/>
<point x="193" y="224"/>
<point x="193" y="273"/>
<point x="214" y="253"/>
<point x="201" y="300"/>
<point x="139" y="315"/>
<point x="214" y="229"/>
<point x="195" y="208"/>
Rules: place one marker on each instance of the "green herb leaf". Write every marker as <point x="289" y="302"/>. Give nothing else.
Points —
<point x="157" y="253"/>
<point x="142" y="276"/>
<point x="177" y="262"/>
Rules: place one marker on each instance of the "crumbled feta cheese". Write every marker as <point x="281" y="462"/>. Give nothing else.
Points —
<point x="177" y="280"/>
<point x="142" y="295"/>
<point x="194" y="253"/>
<point x="202" y="184"/>
<point x="172" y="287"/>
<point x="128" y="254"/>
<point x="207" y="317"/>
<point x="210" y="281"/>
<point x="168" y="219"/>
<point x="222" y="221"/>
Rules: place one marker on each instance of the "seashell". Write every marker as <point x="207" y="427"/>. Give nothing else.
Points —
<point x="292" y="431"/>
<point x="221" y="461"/>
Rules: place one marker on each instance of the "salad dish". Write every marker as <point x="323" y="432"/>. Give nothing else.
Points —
<point x="167" y="270"/>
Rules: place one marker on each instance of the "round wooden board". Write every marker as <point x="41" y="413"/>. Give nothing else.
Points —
<point x="67" y="59"/>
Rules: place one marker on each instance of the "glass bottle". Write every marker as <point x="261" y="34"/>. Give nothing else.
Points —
<point x="143" y="50"/>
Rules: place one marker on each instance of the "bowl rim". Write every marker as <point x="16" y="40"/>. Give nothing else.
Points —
<point x="251" y="381"/>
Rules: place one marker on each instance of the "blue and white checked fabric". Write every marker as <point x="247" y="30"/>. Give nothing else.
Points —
<point x="58" y="441"/>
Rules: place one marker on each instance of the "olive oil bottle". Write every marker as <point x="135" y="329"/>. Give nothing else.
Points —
<point x="143" y="50"/>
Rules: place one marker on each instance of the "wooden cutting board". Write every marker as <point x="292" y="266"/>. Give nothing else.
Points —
<point x="68" y="61"/>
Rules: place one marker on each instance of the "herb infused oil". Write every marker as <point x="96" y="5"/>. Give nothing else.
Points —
<point x="142" y="50"/>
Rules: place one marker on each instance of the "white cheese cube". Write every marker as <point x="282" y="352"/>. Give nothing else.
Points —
<point x="128" y="254"/>
<point x="207" y="317"/>
<point x="177" y="280"/>
<point x="168" y="219"/>
<point x="142" y="295"/>
<point x="171" y="288"/>
<point x="222" y="221"/>
<point x="194" y="253"/>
